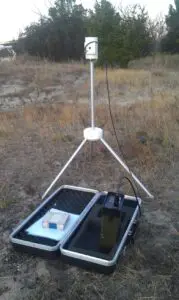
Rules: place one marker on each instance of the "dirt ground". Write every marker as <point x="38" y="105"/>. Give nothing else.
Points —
<point x="33" y="148"/>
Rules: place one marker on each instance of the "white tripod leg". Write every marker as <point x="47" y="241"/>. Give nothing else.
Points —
<point x="64" y="168"/>
<point x="126" y="168"/>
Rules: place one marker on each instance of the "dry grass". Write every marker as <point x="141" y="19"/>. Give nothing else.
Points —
<point x="37" y="72"/>
<point x="152" y="113"/>
<point x="137" y="78"/>
<point x="158" y="61"/>
<point x="5" y="202"/>
<point x="37" y="137"/>
<point x="156" y="120"/>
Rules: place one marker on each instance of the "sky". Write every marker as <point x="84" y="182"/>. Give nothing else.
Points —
<point x="16" y="14"/>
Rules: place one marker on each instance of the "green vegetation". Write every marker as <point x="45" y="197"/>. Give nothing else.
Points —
<point x="124" y="34"/>
<point x="171" y="40"/>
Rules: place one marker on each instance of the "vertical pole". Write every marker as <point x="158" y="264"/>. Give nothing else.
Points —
<point x="92" y="93"/>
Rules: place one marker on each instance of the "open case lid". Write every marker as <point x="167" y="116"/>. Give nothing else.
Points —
<point x="71" y="199"/>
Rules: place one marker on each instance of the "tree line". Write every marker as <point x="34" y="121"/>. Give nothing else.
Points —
<point x="124" y="34"/>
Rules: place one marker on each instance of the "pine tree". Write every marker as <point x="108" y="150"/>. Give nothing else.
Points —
<point x="171" y="41"/>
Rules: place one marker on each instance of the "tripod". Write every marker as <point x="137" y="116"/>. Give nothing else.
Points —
<point x="94" y="133"/>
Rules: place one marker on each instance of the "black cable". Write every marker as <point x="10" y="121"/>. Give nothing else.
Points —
<point x="110" y="110"/>
<point x="135" y="194"/>
<point x="112" y="121"/>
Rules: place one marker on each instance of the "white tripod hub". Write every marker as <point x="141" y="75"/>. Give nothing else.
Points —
<point x="94" y="133"/>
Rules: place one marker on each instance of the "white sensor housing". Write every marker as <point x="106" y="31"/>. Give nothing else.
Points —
<point x="91" y="48"/>
<point x="93" y="134"/>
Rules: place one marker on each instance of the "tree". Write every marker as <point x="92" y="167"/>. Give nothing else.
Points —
<point x="123" y="35"/>
<point x="67" y="30"/>
<point x="136" y="35"/>
<point x="103" y="22"/>
<point x="60" y="35"/>
<point x="157" y="29"/>
<point x="171" y="40"/>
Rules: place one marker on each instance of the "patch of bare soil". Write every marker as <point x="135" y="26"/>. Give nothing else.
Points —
<point x="17" y="93"/>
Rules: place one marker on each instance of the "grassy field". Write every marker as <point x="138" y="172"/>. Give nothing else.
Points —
<point x="43" y="110"/>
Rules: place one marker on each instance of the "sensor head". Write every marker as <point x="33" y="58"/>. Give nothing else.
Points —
<point x="91" y="48"/>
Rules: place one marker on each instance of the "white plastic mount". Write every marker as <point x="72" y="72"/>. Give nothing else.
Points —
<point x="93" y="134"/>
<point x="91" y="48"/>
